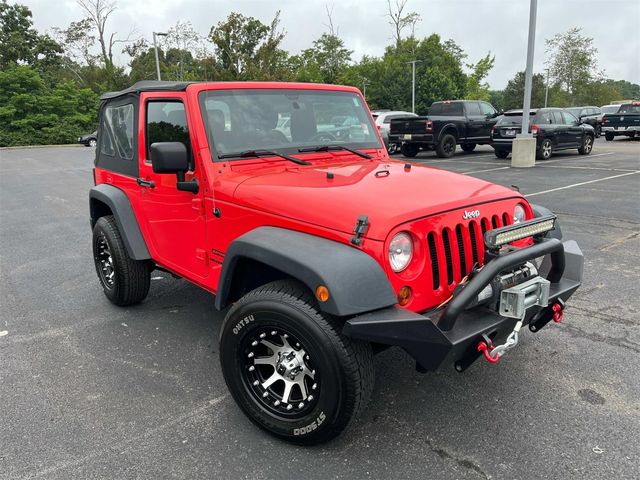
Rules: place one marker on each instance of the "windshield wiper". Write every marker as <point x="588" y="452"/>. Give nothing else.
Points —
<point x="327" y="148"/>
<point x="262" y="153"/>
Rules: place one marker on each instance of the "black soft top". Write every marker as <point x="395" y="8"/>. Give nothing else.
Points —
<point x="148" y="86"/>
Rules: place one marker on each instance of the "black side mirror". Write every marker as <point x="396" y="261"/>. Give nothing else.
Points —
<point x="169" y="157"/>
<point x="172" y="157"/>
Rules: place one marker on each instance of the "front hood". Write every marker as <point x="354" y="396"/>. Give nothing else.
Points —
<point x="385" y="191"/>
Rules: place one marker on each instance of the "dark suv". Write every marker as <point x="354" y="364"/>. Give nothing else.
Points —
<point x="590" y="115"/>
<point x="554" y="129"/>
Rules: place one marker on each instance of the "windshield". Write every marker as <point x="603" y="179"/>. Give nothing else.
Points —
<point x="243" y="120"/>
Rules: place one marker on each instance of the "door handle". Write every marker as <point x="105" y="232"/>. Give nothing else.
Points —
<point x="145" y="183"/>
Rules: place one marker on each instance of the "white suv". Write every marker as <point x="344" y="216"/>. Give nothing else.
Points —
<point x="383" y="119"/>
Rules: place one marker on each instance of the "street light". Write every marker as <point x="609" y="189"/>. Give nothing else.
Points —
<point x="365" y="82"/>
<point x="155" y="49"/>
<point x="413" y="85"/>
<point x="546" y="89"/>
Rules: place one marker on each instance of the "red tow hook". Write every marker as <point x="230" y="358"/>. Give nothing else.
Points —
<point x="557" y="312"/>
<point x="486" y="349"/>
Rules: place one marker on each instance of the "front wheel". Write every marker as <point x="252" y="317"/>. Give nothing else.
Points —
<point x="608" y="136"/>
<point x="125" y="281"/>
<point x="468" y="147"/>
<point x="92" y="143"/>
<point x="587" y="145"/>
<point x="598" y="131"/>
<point x="288" y="366"/>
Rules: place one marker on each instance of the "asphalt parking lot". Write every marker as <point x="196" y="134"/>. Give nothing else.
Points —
<point x="90" y="390"/>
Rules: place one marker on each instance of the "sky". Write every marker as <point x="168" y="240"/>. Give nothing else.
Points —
<point x="478" y="26"/>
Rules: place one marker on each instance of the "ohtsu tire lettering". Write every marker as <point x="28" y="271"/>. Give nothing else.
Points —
<point x="245" y="321"/>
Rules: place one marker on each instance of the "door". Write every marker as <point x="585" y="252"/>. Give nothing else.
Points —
<point x="573" y="130"/>
<point x="476" y="121"/>
<point x="490" y="118"/>
<point x="174" y="219"/>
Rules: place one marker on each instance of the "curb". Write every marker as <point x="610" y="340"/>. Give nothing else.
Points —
<point x="18" y="147"/>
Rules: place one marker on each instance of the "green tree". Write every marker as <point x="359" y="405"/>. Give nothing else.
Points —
<point x="324" y="62"/>
<point x="513" y="94"/>
<point x="627" y="90"/>
<point x="572" y="60"/>
<point x="477" y="88"/>
<point x="247" y="49"/>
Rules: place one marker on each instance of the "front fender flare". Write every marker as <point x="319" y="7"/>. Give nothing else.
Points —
<point x="356" y="282"/>
<point x="120" y="207"/>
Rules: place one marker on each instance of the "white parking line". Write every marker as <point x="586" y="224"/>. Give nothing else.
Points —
<point x="574" y="167"/>
<point x="582" y="183"/>
<point x="579" y="157"/>
<point x="485" y="170"/>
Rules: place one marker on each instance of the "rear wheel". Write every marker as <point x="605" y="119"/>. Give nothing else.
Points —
<point x="289" y="367"/>
<point x="545" y="151"/>
<point x="125" y="281"/>
<point x="501" y="153"/>
<point x="587" y="145"/>
<point x="409" y="150"/>
<point x="609" y="136"/>
<point x="446" y="147"/>
<point x="598" y="130"/>
<point x="93" y="142"/>
<point x="468" y="147"/>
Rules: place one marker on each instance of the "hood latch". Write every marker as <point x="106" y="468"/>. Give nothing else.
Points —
<point x="361" y="227"/>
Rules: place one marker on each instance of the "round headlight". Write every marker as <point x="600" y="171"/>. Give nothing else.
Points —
<point x="400" y="251"/>
<point x="518" y="214"/>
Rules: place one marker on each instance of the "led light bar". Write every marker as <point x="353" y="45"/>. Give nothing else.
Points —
<point x="533" y="228"/>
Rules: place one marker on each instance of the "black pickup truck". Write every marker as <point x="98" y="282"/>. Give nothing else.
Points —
<point x="449" y="123"/>
<point x="626" y="121"/>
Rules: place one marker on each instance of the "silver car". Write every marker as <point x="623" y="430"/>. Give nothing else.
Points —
<point x="383" y="120"/>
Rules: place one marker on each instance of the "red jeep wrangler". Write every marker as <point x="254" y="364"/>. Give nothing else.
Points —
<point x="280" y="199"/>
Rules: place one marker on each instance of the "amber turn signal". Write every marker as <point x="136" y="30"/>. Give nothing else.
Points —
<point x="322" y="293"/>
<point x="404" y="295"/>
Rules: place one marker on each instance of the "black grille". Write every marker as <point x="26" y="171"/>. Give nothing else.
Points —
<point x="463" y="263"/>
<point x="474" y="244"/>
<point x="435" y="271"/>
<point x="447" y="254"/>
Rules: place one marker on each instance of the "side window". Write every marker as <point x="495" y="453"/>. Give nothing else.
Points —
<point x="544" y="118"/>
<point x="167" y="122"/>
<point x="118" y="126"/>
<point x="557" y="117"/>
<point x="473" y="109"/>
<point x="487" y="109"/>
<point x="569" y="119"/>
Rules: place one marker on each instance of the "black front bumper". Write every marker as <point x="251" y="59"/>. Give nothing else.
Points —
<point x="450" y="335"/>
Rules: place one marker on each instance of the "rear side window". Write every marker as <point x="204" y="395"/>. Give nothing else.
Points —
<point x="557" y="117"/>
<point x="629" y="108"/>
<point x="473" y="108"/>
<point x="446" y="109"/>
<point x="544" y="118"/>
<point x="118" y="126"/>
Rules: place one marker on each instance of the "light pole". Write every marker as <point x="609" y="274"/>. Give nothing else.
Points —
<point x="155" y="49"/>
<point x="365" y="82"/>
<point x="413" y="84"/>
<point x="546" y="89"/>
<point x="523" y="152"/>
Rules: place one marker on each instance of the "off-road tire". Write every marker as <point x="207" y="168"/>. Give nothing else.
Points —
<point x="446" y="147"/>
<point x="343" y="367"/>
<point x="468" y="147"/>
<point x="587" y="145"/>
<point x="131" y="278"/>
<point x="545" y="151"/>
<point x="608" y="136"/>
<point x="409" y="150"/>
<point x="501" y="153"/>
